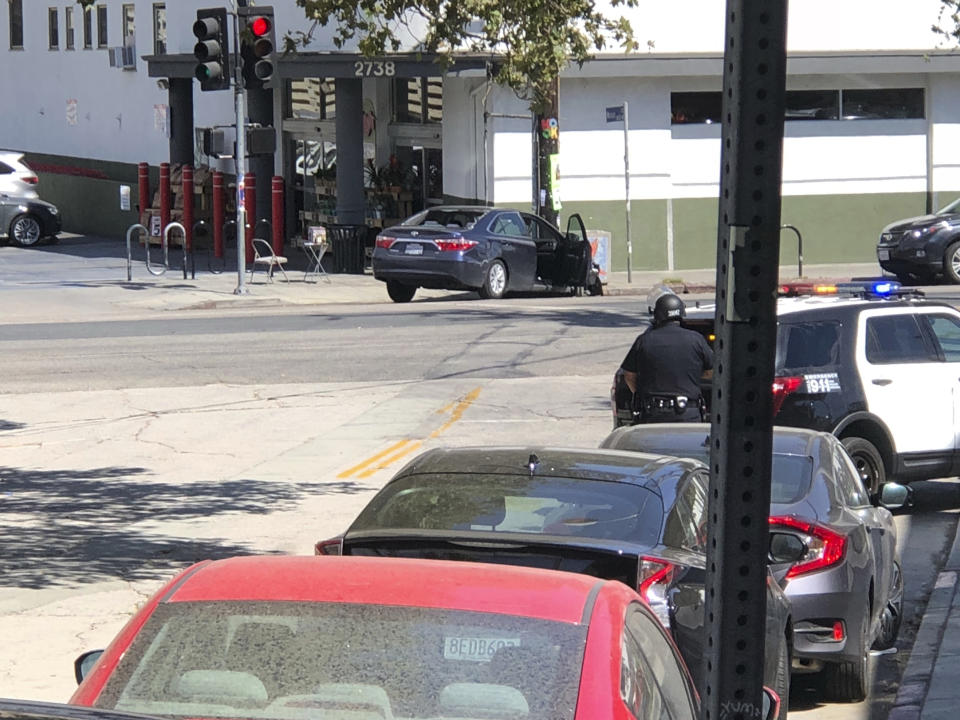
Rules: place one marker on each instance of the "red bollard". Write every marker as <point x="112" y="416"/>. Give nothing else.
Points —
<point x="276" y="195"/>
<point x="250" y="205"/>
<point x="188" y="207"/>
<point x="143" y="183"/>
<point x="164" y="196"/>
<point x="218" y="213"/>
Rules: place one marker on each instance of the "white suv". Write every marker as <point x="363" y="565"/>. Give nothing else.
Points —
<point x="16" y="177"/>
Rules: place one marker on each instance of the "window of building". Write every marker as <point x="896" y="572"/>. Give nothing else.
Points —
<point x="129" y="29"/>
<point x="87" y="28"/>
<point x="68" y="27"/>
<point x="16" y="24"/>
<point x="418" y="100"/>
<point x="101" y="26"/>
<point x="695" y="107"/>
<point x="812" y="105"/>
<point x="312" y="99"/>
<point x="53" y="22"/>
<point x="160" y="29"/>
<point x="883" y="104"/>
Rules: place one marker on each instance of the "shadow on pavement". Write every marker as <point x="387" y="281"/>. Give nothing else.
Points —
<point x="63" y="528"/>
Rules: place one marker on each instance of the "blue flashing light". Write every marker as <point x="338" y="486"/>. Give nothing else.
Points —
<point x="884" y="287"/>
<point x="871" y="288"/>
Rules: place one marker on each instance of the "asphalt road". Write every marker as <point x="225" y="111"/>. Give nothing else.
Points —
<point x="131" y="448"/>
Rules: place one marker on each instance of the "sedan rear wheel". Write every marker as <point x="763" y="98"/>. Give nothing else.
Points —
<point x="847" y="681"/>
<point x="399" y="292"/>
<point x="782" y="681"/>
<point x="951" y="263"/>
<point x="495" y="281"/>
<point x="25" y="230"/>
<point x="892" y="614"/>
<point x="868" y="461"/>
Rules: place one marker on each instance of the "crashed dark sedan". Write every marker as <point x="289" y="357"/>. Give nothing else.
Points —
<point x="640" y="519"/>
<point x="490" y="250"/>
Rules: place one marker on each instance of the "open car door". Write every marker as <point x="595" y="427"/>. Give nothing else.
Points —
<point x="579" y="257"/>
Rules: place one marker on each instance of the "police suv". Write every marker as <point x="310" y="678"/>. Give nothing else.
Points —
<point x="859" y="360"/>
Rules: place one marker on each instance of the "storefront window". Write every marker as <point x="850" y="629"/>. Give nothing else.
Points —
<point x="312" y="99"/>
<point x="812" y="105"/>
<point x="883" y="104"/>
<point x="418" y="100"/>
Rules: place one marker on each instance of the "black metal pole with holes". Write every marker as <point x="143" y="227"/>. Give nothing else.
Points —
<point x="748" y="253"/>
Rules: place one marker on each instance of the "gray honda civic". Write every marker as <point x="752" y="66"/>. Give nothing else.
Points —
<point x="833" y="550"/>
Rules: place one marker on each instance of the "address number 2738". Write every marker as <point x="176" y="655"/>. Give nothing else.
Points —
<point x="374" y="68"/>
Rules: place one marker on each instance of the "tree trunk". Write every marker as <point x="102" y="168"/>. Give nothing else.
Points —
<point x="547" y="177"/>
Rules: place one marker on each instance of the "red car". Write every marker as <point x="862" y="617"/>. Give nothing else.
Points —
<point x="297" y="638"/>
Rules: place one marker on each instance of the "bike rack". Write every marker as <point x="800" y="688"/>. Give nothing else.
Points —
<point x="129" y="252"/>
<point x="799" y="248"/>
<point x="166" y="247"/>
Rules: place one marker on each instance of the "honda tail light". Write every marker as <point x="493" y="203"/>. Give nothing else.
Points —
<point x="459" y="244"/>
<point x="385" y="241"/>
<point x="653" y="581"/>
<point x="783" y="386"/>
<point x="825" y="548"/>
<point x="333" y="546"/>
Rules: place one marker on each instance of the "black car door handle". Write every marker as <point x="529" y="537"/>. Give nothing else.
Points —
<point x="882" y="381"/>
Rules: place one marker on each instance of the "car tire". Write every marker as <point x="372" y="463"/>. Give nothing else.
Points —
<point x="892" y="614"/>
<point x="781" y="684"/>
<point x="399" y="292"/>
<point x="847" y="681"/>
<point x="951" y="262"/>
<point x="494" y="281"/>
<point x="869" y="462"/>
<point x="25" y="230"/>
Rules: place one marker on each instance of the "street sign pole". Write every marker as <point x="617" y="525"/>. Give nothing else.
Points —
<point x="240" y="102"/>
<point x="741" y="441"/>
<point x="626" y="181"/>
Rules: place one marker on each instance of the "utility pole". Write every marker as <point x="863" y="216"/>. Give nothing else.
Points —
<point x="547" y="177"/>
<point x="741" y="442"/>
<point x="240" y="103"/>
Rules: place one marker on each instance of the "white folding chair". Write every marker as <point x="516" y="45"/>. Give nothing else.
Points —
<point x="263" y="255"/>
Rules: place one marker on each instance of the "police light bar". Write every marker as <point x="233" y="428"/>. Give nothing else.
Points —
<point x="797" y="288"/>
<point x="872" y="288"/>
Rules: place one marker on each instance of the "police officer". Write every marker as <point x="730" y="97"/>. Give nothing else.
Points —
<point x="664" y="366"/>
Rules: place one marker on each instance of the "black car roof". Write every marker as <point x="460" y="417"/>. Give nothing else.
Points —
<point x="644" y="469"/>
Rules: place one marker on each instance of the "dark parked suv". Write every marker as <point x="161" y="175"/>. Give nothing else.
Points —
<point x="920" y="249"/>
<point x="882" y="373"/>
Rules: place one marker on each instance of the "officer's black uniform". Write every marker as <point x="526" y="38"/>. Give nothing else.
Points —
<point x="669" y="361"/>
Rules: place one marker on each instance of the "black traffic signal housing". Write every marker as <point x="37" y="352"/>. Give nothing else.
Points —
<point x="257" y="45"/>
<point x="211" y="51"/>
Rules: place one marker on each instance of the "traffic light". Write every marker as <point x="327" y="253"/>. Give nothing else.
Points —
<point x="211" y="52"/>
<point x="257" y="45"/>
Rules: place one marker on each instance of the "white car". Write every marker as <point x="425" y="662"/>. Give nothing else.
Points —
<point x="16" y="177"/>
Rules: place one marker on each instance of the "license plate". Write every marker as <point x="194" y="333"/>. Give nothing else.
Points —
<point x="883" y="254"/>
<point x="475" y="649"/>
<point x="413" y="249"/>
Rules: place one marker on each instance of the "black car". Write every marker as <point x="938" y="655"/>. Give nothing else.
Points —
<point x="877" y="368"/>
<point x="921" y="249"/>
<point x="490" y="250"/>
<point x="640" y="519"/>
<point x="27" y="220"/>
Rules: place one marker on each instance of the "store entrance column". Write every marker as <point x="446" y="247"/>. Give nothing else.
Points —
<point x="351" y="198"/>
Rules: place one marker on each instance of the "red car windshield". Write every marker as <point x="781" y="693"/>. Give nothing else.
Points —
<point x="297" y="661"/>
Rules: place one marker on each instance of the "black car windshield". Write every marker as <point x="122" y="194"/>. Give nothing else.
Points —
<point x="302" y="661"/>
<point x="792" y="474"/>
<point x="497" y="503"/>
<point x="462" y="218"/>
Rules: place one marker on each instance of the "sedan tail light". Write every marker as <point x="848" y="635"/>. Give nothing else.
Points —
<point x="31" y="179"/>
<point x="385" y="241"/>
<point x="783" y="386"/>
<point x="333" y="546"/>
<point x="458" y="244"/>
<point x="653" y="580"/>
<point x="825" y="548"/>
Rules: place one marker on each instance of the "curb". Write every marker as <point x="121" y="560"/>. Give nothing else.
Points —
<point x="916" y="681"/>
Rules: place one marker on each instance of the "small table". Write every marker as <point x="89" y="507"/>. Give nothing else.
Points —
<point x="315" y="252"/>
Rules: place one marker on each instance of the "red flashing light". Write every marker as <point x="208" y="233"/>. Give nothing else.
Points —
<point x="259" y="26"/>
<point x="825" y="548"/>
<point x="460" y="244"/>
<point x="783" y="386"/>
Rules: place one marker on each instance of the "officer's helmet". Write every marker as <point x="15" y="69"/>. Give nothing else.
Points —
<point x="668" y="307"/>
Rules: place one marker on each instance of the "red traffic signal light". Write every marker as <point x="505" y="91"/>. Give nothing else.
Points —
<point x="257" y="45"/>
<point x="260" y="26"/>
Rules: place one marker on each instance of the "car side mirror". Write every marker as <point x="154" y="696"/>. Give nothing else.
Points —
<point x="785" y="548"/>
<point x="894" y="496"/>
<point x="771" y="704"/>
<point x="84" y="664"/>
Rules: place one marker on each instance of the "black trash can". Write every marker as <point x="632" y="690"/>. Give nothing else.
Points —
<point x="347" y="243"/>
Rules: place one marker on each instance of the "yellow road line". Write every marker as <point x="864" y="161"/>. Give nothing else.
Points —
<point x="372" y="459"/>
<point x="403" y="448"/>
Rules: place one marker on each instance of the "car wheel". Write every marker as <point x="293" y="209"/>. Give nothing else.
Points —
<point x="868" y="461"/>
<point x="892" y="614"/>
<point x="399" y="292"/>
<point x="951" y="263"/>
<point x="25" y="230"/>
<point x="495" y="281"/>
<point x="847" y="681"/>
<point x="781" y="684"/>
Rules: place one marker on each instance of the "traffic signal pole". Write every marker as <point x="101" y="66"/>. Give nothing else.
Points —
<point x="240" y="102"/>
<point x="748" y="258"/>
